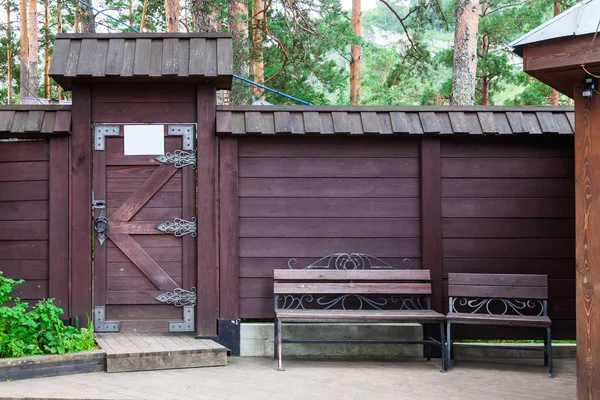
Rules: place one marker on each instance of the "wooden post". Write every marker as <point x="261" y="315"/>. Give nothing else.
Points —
<point x="587" y="221"/>
<point x="208" y="267"/>
<point x="58" y="277"/>
<point x="431" y="217"/>
<point x="228" y="221"/>
<point x="81" y="203"/>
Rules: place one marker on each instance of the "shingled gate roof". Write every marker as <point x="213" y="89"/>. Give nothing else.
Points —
<point x="137" y="57"/>
<point x="34" y="121"/>
<point x="240" y="120"/>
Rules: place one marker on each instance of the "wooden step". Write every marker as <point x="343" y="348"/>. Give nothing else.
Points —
<point x="136" y="351"/>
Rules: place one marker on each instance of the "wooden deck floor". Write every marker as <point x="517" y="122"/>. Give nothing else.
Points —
<point x="133" y="351"/>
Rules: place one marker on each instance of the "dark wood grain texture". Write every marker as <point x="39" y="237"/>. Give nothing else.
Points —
<point x="587" y="220"/>
<point x="229" y="231"/>
<point x="208" y="267"/>
<point x="431" y="216"/>
<point x="81" y="184"/>
<point x="58" y="284"/>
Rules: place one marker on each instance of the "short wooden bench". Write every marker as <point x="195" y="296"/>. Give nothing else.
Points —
<point x="350" y="289"/>
<point x="500" y="300"/>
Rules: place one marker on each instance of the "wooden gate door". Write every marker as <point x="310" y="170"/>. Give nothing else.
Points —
<point x="145" y="229"/>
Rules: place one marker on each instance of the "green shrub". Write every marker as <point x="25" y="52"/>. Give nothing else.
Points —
<point x="28" y="331"/>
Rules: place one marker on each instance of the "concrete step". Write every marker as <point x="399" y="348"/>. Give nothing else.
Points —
<point x="256" y="339"/>
<point x="134" y="351"/>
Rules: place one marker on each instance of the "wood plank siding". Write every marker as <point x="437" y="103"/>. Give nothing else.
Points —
<point x="509" y="208"/>
<point x="305" y="198"/>
<point x="24" y="216"/>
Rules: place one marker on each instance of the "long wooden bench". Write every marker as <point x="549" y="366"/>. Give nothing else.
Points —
<point x="350" y="289"/>
<point x="500" y="300"/>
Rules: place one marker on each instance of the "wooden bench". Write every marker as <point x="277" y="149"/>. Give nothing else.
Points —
<point x="342" y="288"/>
<point x="501" y="300"/>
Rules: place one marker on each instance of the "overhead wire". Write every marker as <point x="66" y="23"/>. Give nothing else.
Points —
<point x="246" y="80"/>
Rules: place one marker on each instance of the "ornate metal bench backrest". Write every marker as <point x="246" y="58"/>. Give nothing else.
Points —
<point x="349" y="270"/>
<point x="498" y="294"/>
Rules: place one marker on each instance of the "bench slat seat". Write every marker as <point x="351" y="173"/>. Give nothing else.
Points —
<point x="485" y="319"/>
<point x="359" y="316"/>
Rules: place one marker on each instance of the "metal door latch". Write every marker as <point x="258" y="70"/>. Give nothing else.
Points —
<point x="98" y="204"/>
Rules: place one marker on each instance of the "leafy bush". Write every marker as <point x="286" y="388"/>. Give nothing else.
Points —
<point x="38" y="330"/>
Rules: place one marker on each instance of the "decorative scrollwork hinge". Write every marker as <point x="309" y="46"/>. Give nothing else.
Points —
<point x="178" y="297"/>
<point x="179" y="227"/>
<point x="101" y="227"/>
<point x="179" y="158"/>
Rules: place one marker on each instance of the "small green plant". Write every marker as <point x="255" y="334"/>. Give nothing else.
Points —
<point x="38" y="330"/>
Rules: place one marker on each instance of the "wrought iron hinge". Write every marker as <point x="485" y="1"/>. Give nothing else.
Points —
<point x="179" y="158"/>
<point x="179" y="227"/>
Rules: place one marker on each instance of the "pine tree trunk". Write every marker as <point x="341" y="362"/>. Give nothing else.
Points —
<point x="46" y="52"/>
<point x="23" y="50"/>
<point x="355" y="55"/>
<point x="204" y="16"/>
<point x="172" y="14"/>
<point x="485" y="80"/>
<point x="76" y="23"/>
<point x="464" y="68"/>
<point x="9" y="62"/>
<point x="144" y="10"/>
<point x="257" y="69"/>
<point x="86" y="18"/>
<point x="32" y="35"/>
<point x="59" y="30"/>
<point x="554" y="92"/>
<point x="238" y="26"/>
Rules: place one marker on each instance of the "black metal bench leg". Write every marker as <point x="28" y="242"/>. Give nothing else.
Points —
<point x="549" y="352"/>
<point x="448" y="345"/>
<point x="279" y="345"/>
<point x="443" y="347"/>
<point x="545" y="350"/>
<point x="427" y="347"/>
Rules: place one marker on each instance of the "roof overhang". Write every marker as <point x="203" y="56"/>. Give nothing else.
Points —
<point x="142" y="58"/>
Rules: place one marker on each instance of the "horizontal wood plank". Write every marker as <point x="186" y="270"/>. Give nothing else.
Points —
<point x="509" y="147"/>
<point x="130" y="185"/>
<point x="351" y="288"/>
<point x="24" y="230"/>
<point x="142" y="311"/>
<point x="133" y="297"/>
<point x="24" y="171"/>
<point x="509" y="248"/>
<point x="329" y="187"/>
<point x="25" y="269"/>
<point x="148" y="241"/>
<point x="115" y="284"/>
<point x="143" y="112"/>
<point x="31" y="150"/>
<point x="507" y="168"/>
<point x="316" y="247"/>
<point x="329" y="227"/>
<point x="507" y="188"/>
<point x="157" y="214"/>
<point x="512" y="292"/>
<point x="316" y="167"/>
<point x="498" y="279"/>
<point x="146" y="93"/>
<point x="23" y="191"/>
<point x="159" y="200"/>
<point x="337" y="147"/>
<point x="32" y="289"/>
<point x="128" y="269"/>
<point x="508" y="208"/>
<point x="23" y="210"/>
<point x="553" y="267"/>
<point x="24" y="250"/>
<point x="353" y="275"/>
<point x="329" y="207"/>
<point x="508" y="227"/>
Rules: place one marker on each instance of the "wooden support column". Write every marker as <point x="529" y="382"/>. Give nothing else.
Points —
<point x="208" y="267"/>
<point x="58" y="277"/>
<point x="81" y="203"/>
<point x="587" y="221"/>
<point x="431" y="217"/>
<point x="228" y="220"/>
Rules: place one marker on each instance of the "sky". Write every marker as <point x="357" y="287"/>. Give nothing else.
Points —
<point x="365" y="4"/>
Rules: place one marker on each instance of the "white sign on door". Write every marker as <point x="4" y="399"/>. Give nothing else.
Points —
<point x="144" y="140"/>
